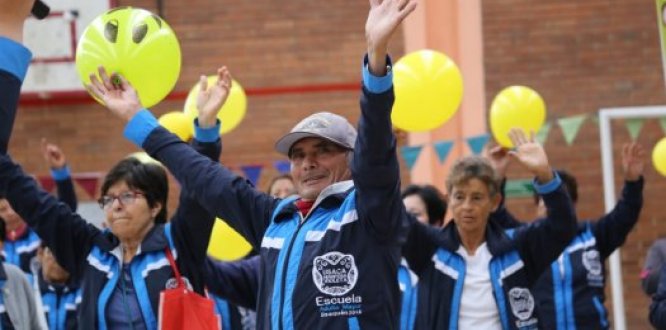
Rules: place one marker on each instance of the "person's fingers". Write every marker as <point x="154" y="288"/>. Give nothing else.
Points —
<point x="640" y="151"/>
<point x="408" y="9"/>
<point x="96" y="88"/>
<point x="123" y="83"/>
<point x="495" y="149"/>
<point x="520" y="135"/>
<point x="221" y="76"/>
<point x="108" y="84"/>
<point x="203" y="83"/>
<point x="401" y="4"/>
<point x="513" y="155"/>
<point x="514" y="138"/>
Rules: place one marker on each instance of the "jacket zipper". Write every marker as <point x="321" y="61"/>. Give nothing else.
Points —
<point x="286" y="264"/>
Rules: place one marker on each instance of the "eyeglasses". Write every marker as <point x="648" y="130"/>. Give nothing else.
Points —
<point x="124" y="198"/>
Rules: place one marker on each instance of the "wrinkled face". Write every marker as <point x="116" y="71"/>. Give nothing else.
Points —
<point x="316" y="164"/>
<point x="51" y="270"/>
<point x="471" y="205"/>
<point x="416" y="207"/>
<point x="128" y="215"/>
<point x="282" y="188"/>
<point x="8" y="215"/>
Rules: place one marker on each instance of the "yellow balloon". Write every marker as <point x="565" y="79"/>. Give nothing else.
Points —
<point x="428" y="91"/>
<point x="144" y="158"/>
<point x="233" y="110"/>
<point x="178" y="123"/>
<point x="659" y="156"/>
<point x="519" y="107"/>
<point x="227" y="244"/>
<point x="135" y="43"/>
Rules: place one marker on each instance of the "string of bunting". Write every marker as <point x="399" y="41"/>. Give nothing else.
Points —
<point x="570" y="127"/>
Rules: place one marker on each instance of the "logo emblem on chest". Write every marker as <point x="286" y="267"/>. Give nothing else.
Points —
<point x="334" y="273"/>
<point x="592" y="262"/>
<point x="522" y="303"/>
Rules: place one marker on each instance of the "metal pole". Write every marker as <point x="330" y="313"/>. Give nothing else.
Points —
<point x="605" y="136"/>
<point x="606" y="140"/>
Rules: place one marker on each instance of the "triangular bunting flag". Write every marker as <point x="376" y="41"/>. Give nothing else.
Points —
<point x="282" y="166"/>
<point x="570" y="126"/>
<point x="542" y="134"/>
<point x="88" y="182"/>
<point x="443" y="148"/>
<point x="476" y="143"/>
<point x="252" y="173"/>
<point x="47" y="183"/>
<point x="595" y="118"/>
<point x="634" y="126"/>
<point x="662" y="122"/>
<point x="410" y="154"/>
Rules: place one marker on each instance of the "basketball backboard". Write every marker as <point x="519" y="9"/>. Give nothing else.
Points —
<point x="53" y="43"/>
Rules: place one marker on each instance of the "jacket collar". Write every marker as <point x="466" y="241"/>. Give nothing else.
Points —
<point x="496" y="239"/>
<point x="155" y="240"/>
<point x="331" y="196"/>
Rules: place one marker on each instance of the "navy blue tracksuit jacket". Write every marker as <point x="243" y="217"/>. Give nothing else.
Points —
<point x="335" y="269"/>
<point x="570" y="295"/>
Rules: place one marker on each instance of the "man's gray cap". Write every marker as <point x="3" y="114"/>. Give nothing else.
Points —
<point x="325" y="125"/>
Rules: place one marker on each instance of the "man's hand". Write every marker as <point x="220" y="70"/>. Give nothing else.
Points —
<point x="633" y="161"/>
<point x="499" y="159"/>
<point x="211" y="98"/>
<point x="531" y="155"/>
<point x="53" y="156"/>
<point x="12" y="17"/>
<point x="383" y="18"/>
<point x="117" y="95"/>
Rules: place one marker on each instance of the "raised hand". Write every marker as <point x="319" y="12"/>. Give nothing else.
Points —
<point x="211" y="98"/>
<point x="531" y="155"/>
<point x="383" y="18"/>
<point x="53" y="156"/>
<point x="499" y="159"/>
<point x="117" y="94"/>
<point x="633" y="161"/>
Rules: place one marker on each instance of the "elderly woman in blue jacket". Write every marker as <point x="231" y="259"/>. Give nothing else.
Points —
<point x="124" y="268"/>
<point x="472" y="273"/>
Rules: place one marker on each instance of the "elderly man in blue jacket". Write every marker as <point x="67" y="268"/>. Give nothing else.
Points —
<point x="329" y="257"/>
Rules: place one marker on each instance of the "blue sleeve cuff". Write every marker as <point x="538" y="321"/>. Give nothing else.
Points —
<point x="549" y="186"/>
<point x="14" y="58"/>
<point x="374" y="84"/>
<point x="140" y="126"/>
<point x="207" y="134"/>
<point x="60" y="174"/>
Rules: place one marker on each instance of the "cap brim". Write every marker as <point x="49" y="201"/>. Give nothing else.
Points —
<point x="283" y="145"/>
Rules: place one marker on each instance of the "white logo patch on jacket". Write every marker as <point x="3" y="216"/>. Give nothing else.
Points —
<point x="522" y="303"/>
<point x="592" y="262"/>
<point x="334" y="273"/>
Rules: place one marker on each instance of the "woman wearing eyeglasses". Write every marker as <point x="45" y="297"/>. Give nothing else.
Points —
<point x="124" y="268"/>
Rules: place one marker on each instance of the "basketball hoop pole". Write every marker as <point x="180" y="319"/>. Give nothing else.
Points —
<point x="605" y="135"/>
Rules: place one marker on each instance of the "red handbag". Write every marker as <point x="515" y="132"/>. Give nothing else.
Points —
<point x="182" y="308"/>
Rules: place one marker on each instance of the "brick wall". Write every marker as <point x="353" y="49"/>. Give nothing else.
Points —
<point x="582" y="56"/>
<point x="266" y="45"/>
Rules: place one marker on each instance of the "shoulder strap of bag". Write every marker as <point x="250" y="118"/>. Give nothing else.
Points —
<point x="169" y="256"/>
